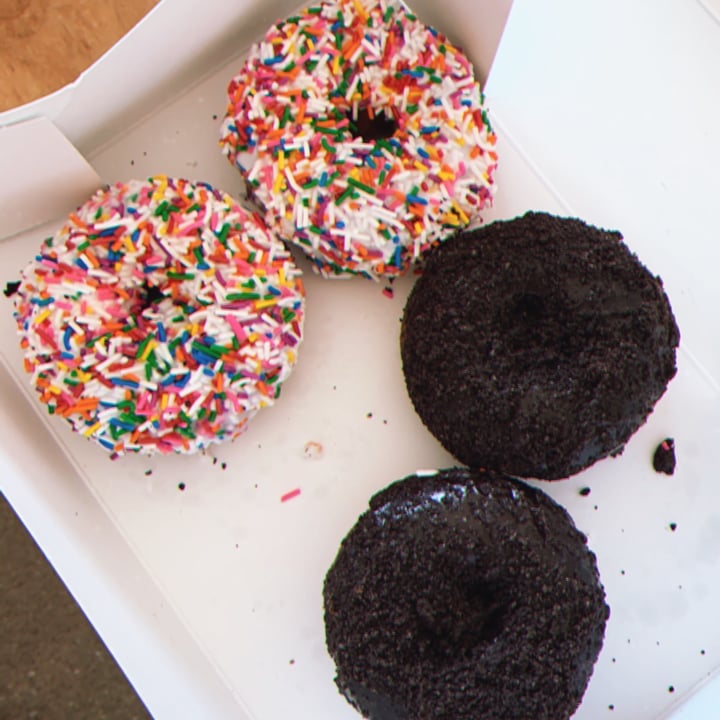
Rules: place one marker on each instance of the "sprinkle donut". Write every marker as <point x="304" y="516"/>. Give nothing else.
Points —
<point x="362" y="134"/>
<point x="160" y="317"/>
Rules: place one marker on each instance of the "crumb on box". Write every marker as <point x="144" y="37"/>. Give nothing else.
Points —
<point x="664" y="459"/>
<point x="584" y="491"/>
<point x="313" y="450"/>
<point x="181" y="486"/>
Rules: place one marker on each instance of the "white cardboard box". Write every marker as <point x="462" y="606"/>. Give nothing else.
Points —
<point x="206" y="596"/>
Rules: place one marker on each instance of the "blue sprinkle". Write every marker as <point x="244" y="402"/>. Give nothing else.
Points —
<point x="81" y="264"/>
<point x="274" y="60"/>
<point x="124" y="383"/>
<point x="162" y="337"/>
<point x="42" y="301"/>
<point x="107" y="404"/>
<point x="181" y="382"/>
<point x="108" y="231"/>
<point x="209" y="372"/>
<point x="203" y="266"/>
<point x="416" y="199"/>
<point x="274" y="291"/>
<point x="340" y="224"/>
<point x="397" y="256"/>
<point x="124" y="425"/>
<point x="423" y="153"/>
<point x="466" y="103"/>
<point x="369" y="161"/>
<point x="429" y="129"/>
<point x="106" y="443"/>
<point x="201" y="357"/>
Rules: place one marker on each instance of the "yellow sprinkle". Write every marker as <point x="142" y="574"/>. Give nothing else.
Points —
<point x="89" y="431"/>
<point x="128" y="243"/>
<point x="54" y="390"/>
<point x="148" y="349"/>
<point x="444" y="175"/>
<point x="260" y="304"/>
<point x="420" y="166"/>
<point x="279" y="183"/>
<point x="83" y="376"/>
<point x="252" y="337"/>
<point x="291" y="356"/>
<point x="62" y="365"/>
<point x="281" y="161"/>
<point x="310" y="43"/>
<point x="195" y="329"/>
<point x="163" y="402"/>
<point x="336" y="65"/>
<point x="44" y="315"/>
<point x="281" y="277"/>
<point x="161" y="188"/>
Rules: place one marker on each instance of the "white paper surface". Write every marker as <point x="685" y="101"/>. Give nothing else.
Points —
<point x="42" y="176"/>
<point x="239" y="573"/>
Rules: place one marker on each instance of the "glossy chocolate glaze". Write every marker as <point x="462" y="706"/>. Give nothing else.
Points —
<point x="464" y="595"/>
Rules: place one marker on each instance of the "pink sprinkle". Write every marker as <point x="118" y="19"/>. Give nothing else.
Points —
<point x="290" y="495"/>
<point x="388" y="292"/>
<point x="237" y="328"/>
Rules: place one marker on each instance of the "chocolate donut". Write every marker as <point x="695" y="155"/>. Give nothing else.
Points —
<point x="464" y="595"/>
<point x="536" y="346"/>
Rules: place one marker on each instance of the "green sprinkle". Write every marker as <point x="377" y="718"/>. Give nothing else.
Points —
<point x="223" y="234"/>
<point x="233" y="297"/>
<point x="342" y="198"/>
<point x="361" y="186"/>
<point x="180" y="276"/>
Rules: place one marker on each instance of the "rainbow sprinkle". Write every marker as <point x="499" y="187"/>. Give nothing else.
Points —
<point x="161" y="317"/>
<point x="294" y="128"/>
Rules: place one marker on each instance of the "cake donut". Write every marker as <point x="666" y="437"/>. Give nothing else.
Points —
<point x="464" y="595"/>
<point x="536" y="346"/>
<point x="362" y="134"/>
<point x="160" y="317"/>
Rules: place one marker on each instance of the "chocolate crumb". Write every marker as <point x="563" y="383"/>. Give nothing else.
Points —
<point x="702" y="652"/>
<point x="369" y="415"/>
<point x="132" y="162"/>
<point x="214" y="461"/>
<point x="584" y="491"/>
<point x="664" y="458"/>
<point x="292" y="661"/>
<point x="673" y="526"/>
<point x="148" y="472"/>
<point x="181" y="486"/>
<point x="215" y="117"/>
<point x="223" y="465"/>
<point x="611" y="707"/>
<point x="11" y="288"/>
<point x="671" y="689"/>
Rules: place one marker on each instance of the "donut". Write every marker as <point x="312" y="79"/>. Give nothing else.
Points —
<point x="464" y="595"/>
<point x="362" y="134"/>
<point x="536" y="346"/>
<point x="160" y="317"/>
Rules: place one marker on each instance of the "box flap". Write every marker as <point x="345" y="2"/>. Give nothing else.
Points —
<point x="42" y="176"/>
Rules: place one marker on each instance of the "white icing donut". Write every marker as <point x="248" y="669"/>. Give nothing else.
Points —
<point x="315" y="87"/>
<point x="160" y="317"/>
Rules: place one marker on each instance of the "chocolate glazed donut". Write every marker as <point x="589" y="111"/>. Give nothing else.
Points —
<point x="464" y="596"/>
<point x="536" y="346"/>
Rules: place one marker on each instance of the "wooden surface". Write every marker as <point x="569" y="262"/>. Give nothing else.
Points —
<point x="45" y="44"/>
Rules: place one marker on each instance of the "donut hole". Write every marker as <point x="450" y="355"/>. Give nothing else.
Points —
<point x="474" y="616"/>
<point x="529" y="307"/>
<point x="372" y="126"/>
<point x="147" y="297"/>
